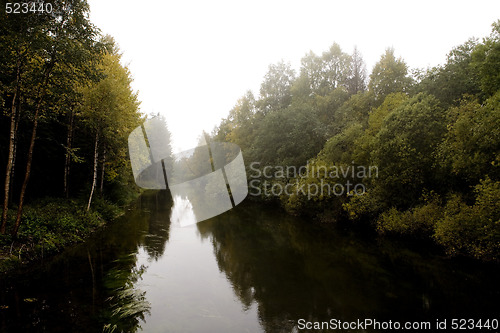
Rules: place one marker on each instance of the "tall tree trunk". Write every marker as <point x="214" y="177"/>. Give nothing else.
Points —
<point x="94" y="178"/>
<point x="102" y="168"/>
<point x="28" y="169"/>
<point x="40" y="94"/>
<point x="12" y="139"/>
<point x="12" y="171"/>
<point x="67" y="162"/>
<point x="9" y="164"/>
<point x="19" y="111"/>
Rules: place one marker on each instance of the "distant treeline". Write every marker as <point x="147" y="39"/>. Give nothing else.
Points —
<point x="433" y="134"/>
<point x="66" y="111"/>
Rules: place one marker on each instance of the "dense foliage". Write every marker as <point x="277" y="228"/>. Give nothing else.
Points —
<point x="431" y="136"/>
<point x="67" y="108"/>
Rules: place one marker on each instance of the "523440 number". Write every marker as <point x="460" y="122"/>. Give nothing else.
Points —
<point x="28" y="7"/>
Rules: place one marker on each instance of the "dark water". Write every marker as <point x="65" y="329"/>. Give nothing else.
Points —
<point x="252" y="269"/>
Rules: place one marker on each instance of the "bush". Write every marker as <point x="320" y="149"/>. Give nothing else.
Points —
<point x="473" y="230"/>
<point x="419" y="221"/>
<point x="105" y="208"/>
<point x="52" y="223"/>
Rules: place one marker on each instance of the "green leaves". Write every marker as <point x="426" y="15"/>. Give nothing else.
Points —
<point x="486" y="61"/>
<point x="435" y="140"/>
<point x="471" y="148"/>
<point x="275" y="90"/>
<point x="404" y="146"/>
<point x="389" y="75"/>
<point x="473" y="230"/>
<point x="320" y="75"/>
<point x="110" y="107"/>
<point x="455" y="78"/>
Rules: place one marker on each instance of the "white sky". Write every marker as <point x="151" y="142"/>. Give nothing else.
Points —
<point x="191" y="60"/>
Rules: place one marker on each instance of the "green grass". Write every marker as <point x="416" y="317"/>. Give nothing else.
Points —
<point x="50" y="224"/>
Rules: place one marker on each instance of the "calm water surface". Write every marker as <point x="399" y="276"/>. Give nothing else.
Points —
<point x="252" y="269"/>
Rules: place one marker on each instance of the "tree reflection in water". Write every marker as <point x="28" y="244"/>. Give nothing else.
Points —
<point x="294" y="270"/>
<point x="127" y="305"/>
<point x="144" y="270"/>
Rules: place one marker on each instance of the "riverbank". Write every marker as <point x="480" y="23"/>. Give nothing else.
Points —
<point x="49" y="225"/>
<point x="254" y="267"/>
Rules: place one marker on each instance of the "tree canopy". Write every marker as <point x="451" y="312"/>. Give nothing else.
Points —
<point x="67" y="108"/>
<point x="431" y="137"/>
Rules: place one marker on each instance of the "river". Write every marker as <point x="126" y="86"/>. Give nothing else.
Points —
<point x="251" y="269"/>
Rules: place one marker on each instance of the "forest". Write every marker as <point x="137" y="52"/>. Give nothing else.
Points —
<point x="372" y="192"/>
<point x="67" y="109"/>
<point x="433" y="135"/>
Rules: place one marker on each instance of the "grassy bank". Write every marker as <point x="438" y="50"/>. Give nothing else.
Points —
<point x="49" y="225"/>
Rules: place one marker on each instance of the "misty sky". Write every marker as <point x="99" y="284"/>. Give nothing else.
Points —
<point x="192" y="60"/>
